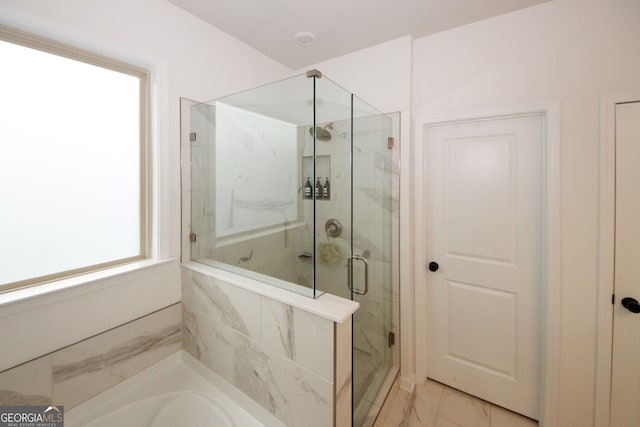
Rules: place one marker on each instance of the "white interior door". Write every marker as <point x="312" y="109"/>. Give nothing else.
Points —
<point x="483" y="182"/>
<point x="625" y="373"/>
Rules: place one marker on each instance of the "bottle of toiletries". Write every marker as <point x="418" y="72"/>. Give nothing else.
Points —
<point x="318" y="189"/>
<point x="326" y="189"/>
<point x="308" y="189"/>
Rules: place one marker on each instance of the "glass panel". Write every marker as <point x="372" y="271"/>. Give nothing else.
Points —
<point x="333" y="172"/>
<point x="372" y="237"/>
<point x="249" y="161"/>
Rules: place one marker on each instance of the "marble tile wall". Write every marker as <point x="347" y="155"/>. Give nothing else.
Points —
<point x="80" y="371"/>
<point x="255" y="169"/>
<point x="280" y="356"/>
<point x="274" y="254"/>
<point x="27" y="384"/>
<point x="237" y="219"/>
<point x="198" y="179"/>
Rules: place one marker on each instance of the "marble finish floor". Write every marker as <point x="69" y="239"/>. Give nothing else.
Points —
<point x="364" y="370"/>
<point x="437" y="405"/>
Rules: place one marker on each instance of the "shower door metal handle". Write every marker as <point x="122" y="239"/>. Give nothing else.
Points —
<point x="366" y="275"/>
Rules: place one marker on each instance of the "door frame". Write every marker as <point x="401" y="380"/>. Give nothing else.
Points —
<point x="550" y="313"/>
<point x="606" y="244"/>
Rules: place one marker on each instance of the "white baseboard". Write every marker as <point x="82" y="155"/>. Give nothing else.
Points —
<point x="407" y="383"/>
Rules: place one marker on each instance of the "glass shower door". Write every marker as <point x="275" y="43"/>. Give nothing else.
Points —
<point x="353" y="228"/>
<point x="371" y="260"/>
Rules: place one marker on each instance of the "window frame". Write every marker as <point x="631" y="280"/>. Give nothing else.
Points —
<point x="51" y="46"/>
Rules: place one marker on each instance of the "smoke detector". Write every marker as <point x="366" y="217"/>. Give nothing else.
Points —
<point x="304" y="38"/>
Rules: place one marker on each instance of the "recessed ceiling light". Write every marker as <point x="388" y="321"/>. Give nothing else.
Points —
<point x="304" y="38"/>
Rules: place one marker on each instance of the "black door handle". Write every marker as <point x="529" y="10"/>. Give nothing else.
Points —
<point x="433" y="266"/>
<point x="631" y="304"/>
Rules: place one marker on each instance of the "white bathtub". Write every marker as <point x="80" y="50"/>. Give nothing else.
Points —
<point x="178" y="391"/>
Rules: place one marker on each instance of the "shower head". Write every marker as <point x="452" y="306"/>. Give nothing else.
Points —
<point x="322" y="133"/>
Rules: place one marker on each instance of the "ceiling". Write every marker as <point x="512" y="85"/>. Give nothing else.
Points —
<point x="340" y="26"/>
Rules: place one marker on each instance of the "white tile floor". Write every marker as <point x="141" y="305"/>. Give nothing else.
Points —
<point x="437" y="405"/>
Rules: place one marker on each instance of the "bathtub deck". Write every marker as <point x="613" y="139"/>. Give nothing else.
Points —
<point x="176" y="374"/>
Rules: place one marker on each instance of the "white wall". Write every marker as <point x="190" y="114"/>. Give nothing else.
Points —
<point x="567" y="50"/>
<point x="186" y="58"/>
<point x="378" y="75"/>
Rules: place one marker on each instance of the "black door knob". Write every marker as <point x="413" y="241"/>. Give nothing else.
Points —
<point x="433" y="266"/>
<point x="631" y="304"/>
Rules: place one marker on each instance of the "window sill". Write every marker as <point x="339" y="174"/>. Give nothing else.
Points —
<point x="46" y="293"/>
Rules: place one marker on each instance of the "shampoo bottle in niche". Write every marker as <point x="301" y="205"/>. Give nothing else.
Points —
<point x="318" y="189"/>
<point x="326" y="189"/>
<point x="308" y="189"/>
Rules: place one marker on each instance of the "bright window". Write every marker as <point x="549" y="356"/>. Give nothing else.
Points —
<point x="72" y="176"/>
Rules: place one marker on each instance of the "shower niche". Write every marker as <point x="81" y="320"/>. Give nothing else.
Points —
<point x="251" y="157"/>
<point x="320" y="189"/>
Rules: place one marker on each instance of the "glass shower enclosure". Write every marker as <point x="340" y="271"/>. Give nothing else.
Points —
<point x="293" y="184"/>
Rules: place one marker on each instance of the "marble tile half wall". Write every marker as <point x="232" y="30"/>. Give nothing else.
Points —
<point x="76" y="373"/>
<point x="295" y="364"/>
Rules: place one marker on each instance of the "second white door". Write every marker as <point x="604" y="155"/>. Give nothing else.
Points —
<point x="625" y="372"/>
<point x="484" y="241"/>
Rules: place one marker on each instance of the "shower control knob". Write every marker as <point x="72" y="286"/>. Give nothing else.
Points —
<point x="433" y="266"/>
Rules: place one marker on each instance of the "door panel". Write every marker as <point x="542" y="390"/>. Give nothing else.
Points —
<point x="477" y="179"/>
<point x="625" y="375"/>
<point x="484" y="228"/>
<point x="469" y="335"/>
